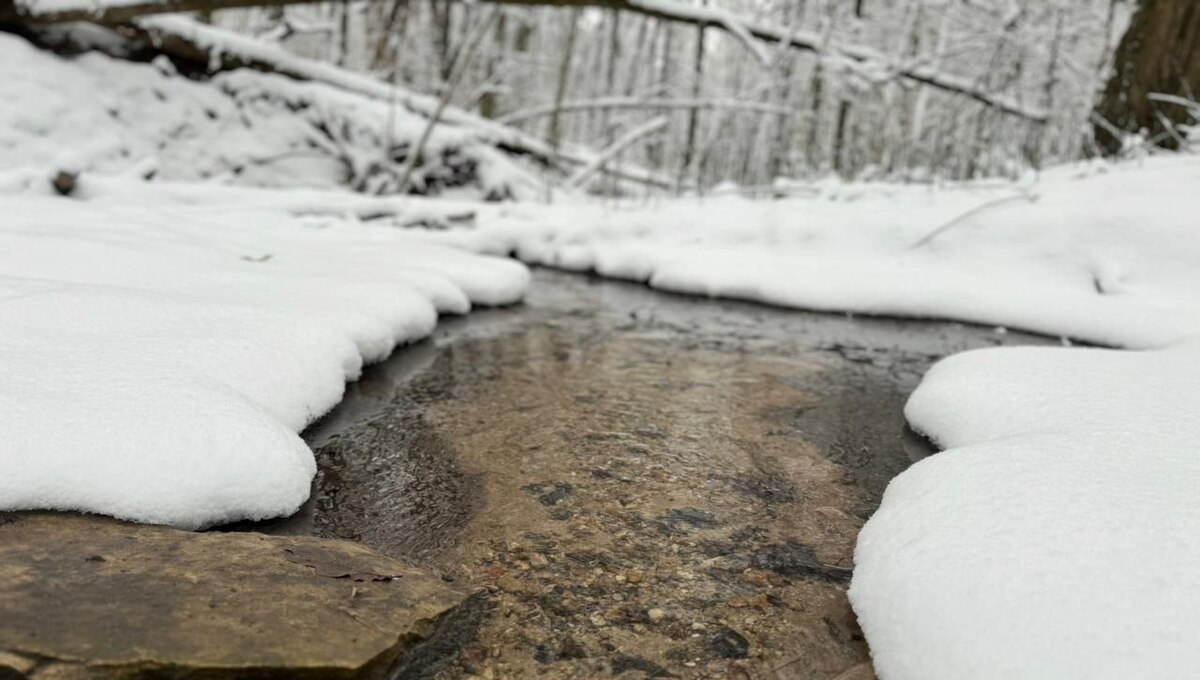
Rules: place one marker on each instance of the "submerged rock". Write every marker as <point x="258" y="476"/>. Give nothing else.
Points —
<point x="90" y="597"/>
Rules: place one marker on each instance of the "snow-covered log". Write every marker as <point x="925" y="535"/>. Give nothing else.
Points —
<point x="212" y="49"/>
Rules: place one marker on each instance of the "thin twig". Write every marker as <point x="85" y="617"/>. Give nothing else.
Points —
<point x="1024" y="195"/>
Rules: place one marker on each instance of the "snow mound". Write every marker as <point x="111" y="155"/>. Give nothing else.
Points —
<point x="161" y="355"/>
<point x="1059" y="534"/>
<point x="1106" y="254"/>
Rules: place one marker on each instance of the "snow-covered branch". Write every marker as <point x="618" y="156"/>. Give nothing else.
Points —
<point x="634" y="103"/>
<point x="626" y="140"/>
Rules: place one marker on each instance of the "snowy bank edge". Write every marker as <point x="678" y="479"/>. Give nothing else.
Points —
<point x="127" y="340"/>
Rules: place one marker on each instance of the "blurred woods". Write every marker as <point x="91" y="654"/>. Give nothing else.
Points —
<point x="739" y="108"/>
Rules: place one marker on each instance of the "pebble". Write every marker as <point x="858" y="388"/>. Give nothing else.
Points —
<point x="655" y="615"/>
<point x="509" y="584"/>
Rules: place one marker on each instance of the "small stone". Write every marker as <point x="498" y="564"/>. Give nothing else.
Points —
<point x="509" y="584"/>
<point x="598" y="620"/>
<point x="730" y="644"/>
<point x="656" y="615"/>
<point x="538" y="560"/>
<point x="741" y="601"/>
<point x="570" y="648"/>
<point x="635" y="577"/>
<point x="64" y="182"/>
<point x="755" y="577"/>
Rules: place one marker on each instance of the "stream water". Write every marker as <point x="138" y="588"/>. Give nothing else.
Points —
<point x="639" y="484"/>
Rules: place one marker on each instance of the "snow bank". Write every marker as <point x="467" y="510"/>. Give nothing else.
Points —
<point x="94" y="112"/>
<point x="159" y="356"/>
<point x="1108" y="254"/>
<point x="1059" y="534"/>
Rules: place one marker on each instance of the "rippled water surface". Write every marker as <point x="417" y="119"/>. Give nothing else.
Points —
<point x="643" y="484"/>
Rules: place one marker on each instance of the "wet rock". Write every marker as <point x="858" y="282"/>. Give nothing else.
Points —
<point x="453" y="633"/>
<point x="798" y="561"/>
<point x="692" y="517"/>
<point x="15" y="665"/>
<point x="94" y="597"/>
<point x="571" y="648"/>
<point x="548" y="493"/>
<point x="730" y="644"/>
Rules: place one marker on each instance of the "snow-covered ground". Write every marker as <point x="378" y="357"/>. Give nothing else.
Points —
<point x="1106" y="254"/>
<point x="1058" y="535"/>
<point x="160" y="356"/>
<point x="99" y="113"/>
<point x="162" y="343"/>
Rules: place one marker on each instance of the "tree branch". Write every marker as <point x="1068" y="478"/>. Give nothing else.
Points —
<point x="627" y="140"/>
<point x="633" y="103"/>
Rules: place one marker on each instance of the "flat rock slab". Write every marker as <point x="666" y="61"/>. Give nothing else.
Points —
<point x="90" y="597"/>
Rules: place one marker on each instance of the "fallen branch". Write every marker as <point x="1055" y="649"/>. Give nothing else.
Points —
<point x="460" y="66"/>
<point x="1188" y="104"/>
<point x="213" y="49"/>
<point x="1025" y="195"/>
<point x="609" y="103"/>
<point x="626" y="140"/>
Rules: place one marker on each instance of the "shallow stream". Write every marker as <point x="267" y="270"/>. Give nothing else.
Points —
<point x="639" y="484"/>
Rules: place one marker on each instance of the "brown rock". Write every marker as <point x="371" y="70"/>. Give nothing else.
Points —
<point x="94" y="597"/>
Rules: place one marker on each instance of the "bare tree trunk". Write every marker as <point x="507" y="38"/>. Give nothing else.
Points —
<point x="343" y="33"/>
<point x="554" y="134"/>
<point x="391" y="36"/>
<point x="689" y="144"/>
<point x="1160" y="53"/>
<point x="841" y="163"/>
<point x="656" y="149"/>
<point x="488" y="101"/>
<point x="1040" y="140"/>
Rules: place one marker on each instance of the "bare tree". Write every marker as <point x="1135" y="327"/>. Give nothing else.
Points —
<point x="1159" y="54"/>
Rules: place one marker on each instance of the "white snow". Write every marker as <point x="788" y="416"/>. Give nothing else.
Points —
<point x="162" y="343"/>
<point x="1059" y="534"/>
<point x="159" y="357"/>
<point x="1107" y="254"/>
<point x="95" y="112"/>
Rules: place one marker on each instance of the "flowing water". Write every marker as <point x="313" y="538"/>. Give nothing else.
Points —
<point x="639" y="484"/>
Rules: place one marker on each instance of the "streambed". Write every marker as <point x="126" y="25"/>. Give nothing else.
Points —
<point x="638" y="484"/>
